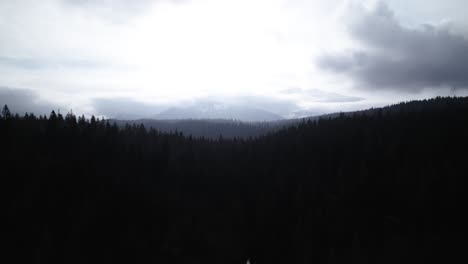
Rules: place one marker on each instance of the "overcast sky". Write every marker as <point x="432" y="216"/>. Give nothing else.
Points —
<point x="289" y="57"/>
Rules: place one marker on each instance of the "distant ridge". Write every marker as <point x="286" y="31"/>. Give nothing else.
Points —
<point x="218" y="111"/>
<point x="234" y="128"/>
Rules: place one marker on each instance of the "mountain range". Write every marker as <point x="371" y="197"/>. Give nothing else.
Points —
<point x="217" y="111"/>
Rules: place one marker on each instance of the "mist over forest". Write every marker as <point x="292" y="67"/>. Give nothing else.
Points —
<point x="385" y="185"/>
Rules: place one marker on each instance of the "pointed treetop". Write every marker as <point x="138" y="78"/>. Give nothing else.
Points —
<point x="53" y="115"/>
<point x="6" y="112"/>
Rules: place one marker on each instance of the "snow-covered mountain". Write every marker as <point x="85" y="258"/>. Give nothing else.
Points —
<point x="218" y="111"/>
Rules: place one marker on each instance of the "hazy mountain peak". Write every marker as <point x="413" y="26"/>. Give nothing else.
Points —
<point x="215" y="110"/>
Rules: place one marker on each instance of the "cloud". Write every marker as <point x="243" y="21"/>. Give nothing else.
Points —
<point x="126" y="108"/>
<point x="24" y="100"/>
<point x="279" y="106"/>
<point x="117" y="11"/>
<point x="292" y="90"/>
<point x="316" y="95"/>
<point x="397" y="57"/>
<point x="40" y="63"/>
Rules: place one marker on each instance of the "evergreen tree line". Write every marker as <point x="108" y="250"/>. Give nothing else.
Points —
<point x="209" y="128"/>
<point x="379" y="186"/>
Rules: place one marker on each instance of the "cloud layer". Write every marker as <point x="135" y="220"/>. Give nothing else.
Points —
<point x="316" y="95"/>
<point x="206" y="107"/>
<point x="117" y="11"/>
<point x="124" y="108"/>
<point x="21" y="101"/>
<point x="137" y="58"/>
<point x="397" y="57"/>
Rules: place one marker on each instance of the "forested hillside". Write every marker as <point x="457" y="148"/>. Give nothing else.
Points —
<point x="209" y="128"/>
<point x="380" y="186"/>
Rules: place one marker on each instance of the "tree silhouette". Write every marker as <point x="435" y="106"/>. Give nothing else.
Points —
<point x="6" y="112"/>
<point x="381" y="185"/>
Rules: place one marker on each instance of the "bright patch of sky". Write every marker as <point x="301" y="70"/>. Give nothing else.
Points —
<point x="73" y="52"/>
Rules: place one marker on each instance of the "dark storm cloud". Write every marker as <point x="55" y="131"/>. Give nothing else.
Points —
<point x="24" y="100"/>
<point x="398" y="57"/>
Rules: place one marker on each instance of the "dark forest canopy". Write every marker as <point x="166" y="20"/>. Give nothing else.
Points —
<point x="377" y="186"/>
<point x="208" y="128"/>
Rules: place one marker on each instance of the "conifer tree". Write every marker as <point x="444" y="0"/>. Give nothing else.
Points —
<point x="6" y="112"/>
